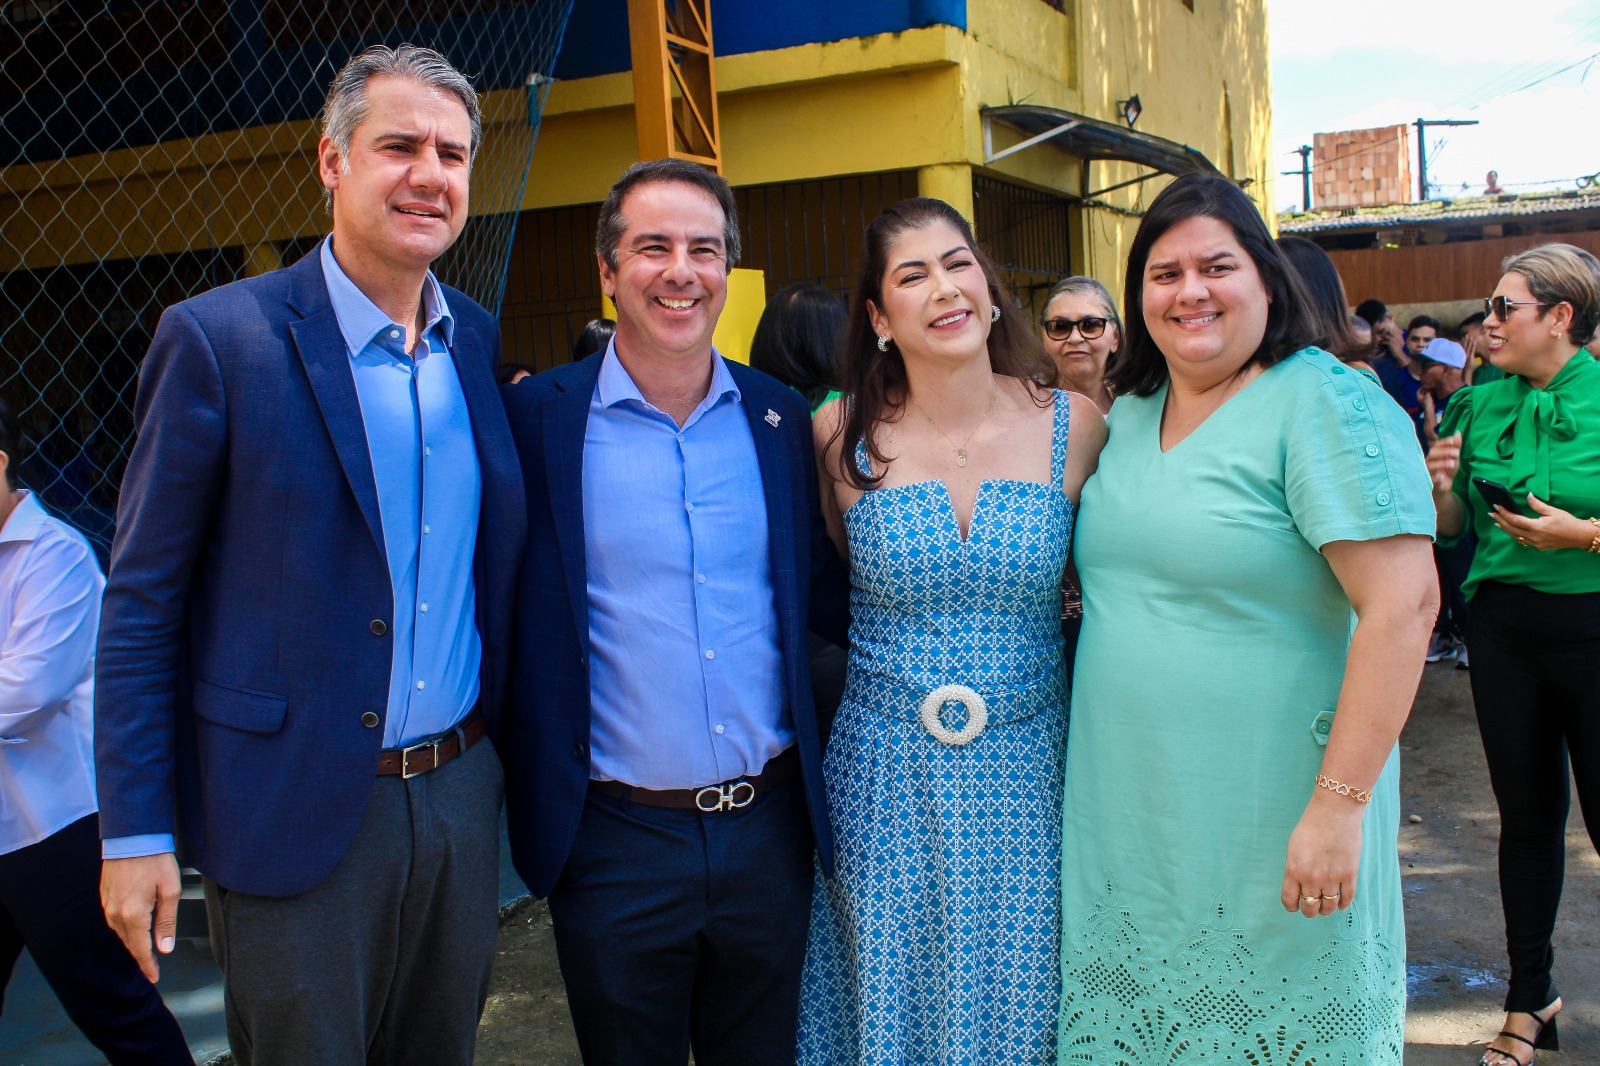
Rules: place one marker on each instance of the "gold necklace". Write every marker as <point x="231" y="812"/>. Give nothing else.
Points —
<point x="961" y="451"/>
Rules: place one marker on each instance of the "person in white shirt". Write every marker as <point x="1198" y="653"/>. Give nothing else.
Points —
<point x="50" y="589"/>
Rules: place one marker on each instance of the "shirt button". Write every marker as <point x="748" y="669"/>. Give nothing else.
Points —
<point x="370" y="720"/>
<point x="1372" y="449"/>
<point x="701" y="578"/>
<point x="422" y="685"/>
<point x="688" y="506"/>
<point x="379" y="627"/>
<point x="1338" y="370"/>
<point x="423" y="608"/>
<point x="1383" y="499"/>
<point x="719" y="728"/>
<point x="427" y="529"/>
<point x="427" y="451"/>
<point x="710" y="654"/>
<point x="680" y="438"/>
<point x="395" y="334"/>
<point x="1361" y="405"/>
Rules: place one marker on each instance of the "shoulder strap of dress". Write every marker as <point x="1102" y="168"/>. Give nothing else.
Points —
<point x="863" y="457"/>
<point x="1058" y="436"/>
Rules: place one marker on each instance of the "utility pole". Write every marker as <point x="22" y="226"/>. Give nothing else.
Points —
<point x="1304" y="152"/>
<point x="1422" y="125"/>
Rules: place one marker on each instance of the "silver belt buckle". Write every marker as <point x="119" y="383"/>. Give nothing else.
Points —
<point x="725" y="797"/>
<point x="405" y="758"/>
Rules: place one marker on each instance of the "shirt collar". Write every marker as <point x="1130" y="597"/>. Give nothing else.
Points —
<point x="361" y="321"/>
<point x="615" y="385"/>
<point x="26" y="520"/>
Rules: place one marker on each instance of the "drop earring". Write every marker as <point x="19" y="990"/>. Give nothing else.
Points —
<point x="883" y="343"/>
<point x="996" y="316"/>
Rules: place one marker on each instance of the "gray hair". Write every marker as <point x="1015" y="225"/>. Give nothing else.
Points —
<point x="608" y="234"/>
<point x="346" y="105"/>
<point x="1082" y="286"/>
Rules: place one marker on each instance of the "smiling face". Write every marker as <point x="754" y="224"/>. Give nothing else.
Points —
<point x="935" y="298"/>
<point x="1521" y="343"/>
<point x="1082" y="362"/>
<point x="671" y="277"/>
<point x="400" y="195"/>
<point x="1204" y="301"/>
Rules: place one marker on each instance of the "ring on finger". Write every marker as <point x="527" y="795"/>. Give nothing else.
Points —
<point x="1334" y="897"/>
<point x="1313" y="900"/>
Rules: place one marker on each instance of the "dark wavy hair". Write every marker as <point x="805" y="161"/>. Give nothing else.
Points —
<point x="10" y="443"/>
<point x="796" y="339"/>
<point x="1141" y="369"/>
<point x="1326" y="289"/>
<point x="874" y="381"/>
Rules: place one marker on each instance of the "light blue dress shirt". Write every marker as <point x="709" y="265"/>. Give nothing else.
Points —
<point x="50" y="588"/>
<point x="686" y="668"/>
<point x="425" y="465"/>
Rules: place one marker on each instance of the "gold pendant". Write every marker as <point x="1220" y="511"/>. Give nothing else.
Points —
<point x="961" y="458"/>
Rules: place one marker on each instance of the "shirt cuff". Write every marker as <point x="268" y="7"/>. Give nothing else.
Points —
<point x="136" y="846"/>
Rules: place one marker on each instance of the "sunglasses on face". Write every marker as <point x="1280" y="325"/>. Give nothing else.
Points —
<point x="1502" y="308"/>
<point x="1059" y="329"/>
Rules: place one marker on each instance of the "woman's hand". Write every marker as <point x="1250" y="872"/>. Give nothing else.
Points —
<point x="1553" y="528"/>
<point x="1444" y="459"/>
<point x="1319" y="876"/>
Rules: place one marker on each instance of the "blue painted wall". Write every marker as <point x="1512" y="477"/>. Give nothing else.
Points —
<point x="597" y="35"/>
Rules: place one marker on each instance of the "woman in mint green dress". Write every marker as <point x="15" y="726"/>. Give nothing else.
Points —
<point x="1258" y="594"/>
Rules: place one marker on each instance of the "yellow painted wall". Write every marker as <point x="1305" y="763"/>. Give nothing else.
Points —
<point x="906" y="101"/>
<point x="747" y="298"/>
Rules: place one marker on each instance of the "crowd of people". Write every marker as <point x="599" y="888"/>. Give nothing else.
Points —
<point x="944" y="687"/>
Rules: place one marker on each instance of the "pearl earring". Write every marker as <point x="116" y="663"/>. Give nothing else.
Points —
<point x="883" y="343"/>
<point x="996" y="313"/>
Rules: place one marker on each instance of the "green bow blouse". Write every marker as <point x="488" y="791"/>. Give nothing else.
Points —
<point x="1544" y="441"/>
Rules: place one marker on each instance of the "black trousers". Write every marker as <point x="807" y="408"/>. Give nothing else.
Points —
<point x="50" y="904"/>
<point x="1536" y="684"/>
<point x="679" y="930"/>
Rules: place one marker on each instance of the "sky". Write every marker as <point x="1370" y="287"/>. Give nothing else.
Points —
<point x="1362" y="63"/>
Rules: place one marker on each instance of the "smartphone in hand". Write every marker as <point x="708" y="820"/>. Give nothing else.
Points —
<point x="1497" y="495"/>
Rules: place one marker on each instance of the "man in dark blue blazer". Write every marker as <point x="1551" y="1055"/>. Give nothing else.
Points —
<point x="305" y="630"/>
<point x="664" y="770"/>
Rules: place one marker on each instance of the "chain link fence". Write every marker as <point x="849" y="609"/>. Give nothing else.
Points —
<point x="153" y="149"/>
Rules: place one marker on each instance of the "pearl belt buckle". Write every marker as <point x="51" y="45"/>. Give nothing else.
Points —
<point x="933" y="710"/>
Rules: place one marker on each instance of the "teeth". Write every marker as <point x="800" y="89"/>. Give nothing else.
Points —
<point x="1198" y="321"/>
<point x="419" y="214"/>
<point x="676" y="305"/>
<point x="947" y="319"/>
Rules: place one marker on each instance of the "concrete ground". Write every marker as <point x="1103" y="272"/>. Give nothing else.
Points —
<point x="1455" y="943"/>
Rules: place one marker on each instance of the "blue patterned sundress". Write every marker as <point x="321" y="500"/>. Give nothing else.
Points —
<point x="937" y="940"/>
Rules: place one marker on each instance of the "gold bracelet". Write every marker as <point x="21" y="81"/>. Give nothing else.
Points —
<point x="1360" y="795"/>
<point x="1594" y="545"/>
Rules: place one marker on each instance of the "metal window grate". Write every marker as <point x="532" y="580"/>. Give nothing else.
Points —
<point x="151" y="149"/>
<point x="1025" y="232"/>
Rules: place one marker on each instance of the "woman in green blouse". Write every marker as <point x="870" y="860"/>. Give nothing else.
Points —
<point x="1534" y="589"/>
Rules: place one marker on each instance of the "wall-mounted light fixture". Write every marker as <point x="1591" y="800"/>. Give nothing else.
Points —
<point x="1129" y="110"/>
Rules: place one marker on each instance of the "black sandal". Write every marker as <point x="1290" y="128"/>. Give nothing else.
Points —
<point x="1545" y="1038"/>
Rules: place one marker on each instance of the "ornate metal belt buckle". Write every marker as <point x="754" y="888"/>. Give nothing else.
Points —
<point x="725" y="797"/>
<point x="932" y="714"/>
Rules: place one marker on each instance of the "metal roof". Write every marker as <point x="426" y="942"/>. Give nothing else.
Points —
<point x="1092" y="138"/>
<point x="1467" y="209"/>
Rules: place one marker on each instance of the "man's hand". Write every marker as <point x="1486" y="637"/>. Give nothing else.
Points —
<point x="130" y="890"/>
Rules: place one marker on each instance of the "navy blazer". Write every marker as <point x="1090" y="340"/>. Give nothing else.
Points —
<point x="247" y="621"/>
<point x="545" y="741"/>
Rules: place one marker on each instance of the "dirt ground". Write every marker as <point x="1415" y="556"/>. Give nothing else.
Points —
<point x="1454" y="938"/>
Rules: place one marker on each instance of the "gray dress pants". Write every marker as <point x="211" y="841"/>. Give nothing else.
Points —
<point x="387" y="962"/>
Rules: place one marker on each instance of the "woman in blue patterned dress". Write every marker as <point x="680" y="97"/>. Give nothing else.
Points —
<point x="949" y="480"/>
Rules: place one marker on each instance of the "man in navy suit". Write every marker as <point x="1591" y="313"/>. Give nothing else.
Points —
<point x="663" y="762"/>
<point x="305" y="627"/>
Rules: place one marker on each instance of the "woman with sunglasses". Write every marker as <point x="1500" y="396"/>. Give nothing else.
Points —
<point x="1081" y="333"/>
<point x="1534" y="589"/>
<point x="1230" y="880"/>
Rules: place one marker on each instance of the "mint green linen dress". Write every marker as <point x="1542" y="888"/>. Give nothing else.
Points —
<point x="1213" y="647"/>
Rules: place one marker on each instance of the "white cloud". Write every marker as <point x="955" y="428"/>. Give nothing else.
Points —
<point x="1489" y="31"/>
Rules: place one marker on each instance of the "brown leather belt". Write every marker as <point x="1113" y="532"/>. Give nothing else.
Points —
<point x="430" y="753"/>
<point x="728" y="796"/>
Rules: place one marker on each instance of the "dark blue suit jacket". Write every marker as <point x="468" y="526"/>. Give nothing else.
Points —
<point x="247" y="621"/>
<point x="545" y="741"/>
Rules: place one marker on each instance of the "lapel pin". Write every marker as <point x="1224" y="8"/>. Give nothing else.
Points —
<point x="773" y="418"/>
